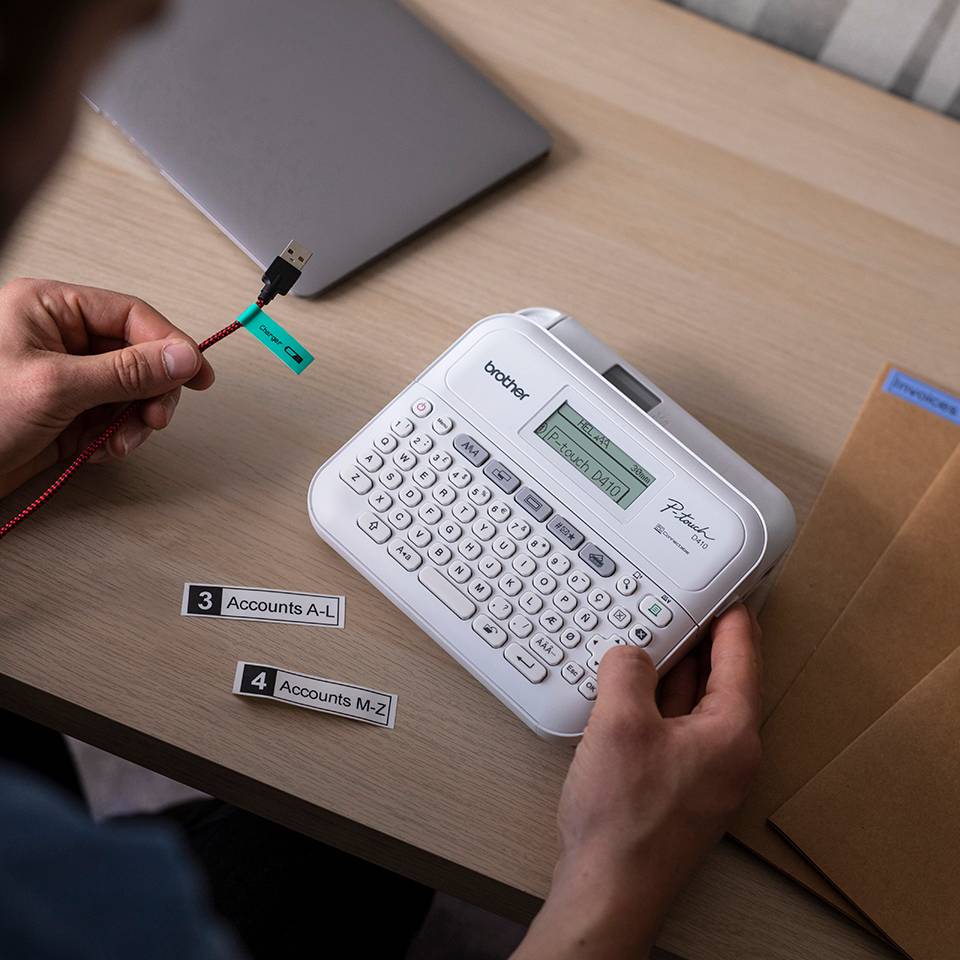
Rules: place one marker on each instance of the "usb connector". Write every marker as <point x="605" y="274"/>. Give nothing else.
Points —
<point x="284" y="272"/>
<point x="296" y="255"/>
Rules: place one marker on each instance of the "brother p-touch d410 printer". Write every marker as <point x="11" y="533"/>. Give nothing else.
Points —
<point x="531" y="499"/>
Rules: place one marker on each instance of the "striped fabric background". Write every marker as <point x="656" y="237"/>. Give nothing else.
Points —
<point x="909" y="47"/>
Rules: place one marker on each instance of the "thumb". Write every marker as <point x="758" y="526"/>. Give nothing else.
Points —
<point x="135" y="372"/>
<point x="627" y="685"/>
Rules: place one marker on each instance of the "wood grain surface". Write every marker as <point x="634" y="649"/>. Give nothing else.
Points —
<point x="756" y="233"/>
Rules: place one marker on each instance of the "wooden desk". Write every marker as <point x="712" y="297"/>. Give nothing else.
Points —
<point x="755" y="232"/>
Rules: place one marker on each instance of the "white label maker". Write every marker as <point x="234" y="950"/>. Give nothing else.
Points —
<point x="532" y="499"/>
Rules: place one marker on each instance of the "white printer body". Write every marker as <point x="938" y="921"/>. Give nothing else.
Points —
<point x="532" y="498"/>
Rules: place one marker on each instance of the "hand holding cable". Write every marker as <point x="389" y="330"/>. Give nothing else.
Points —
<point x="89" y="374"/>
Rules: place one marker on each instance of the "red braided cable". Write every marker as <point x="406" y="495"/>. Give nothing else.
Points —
<point x="219" y="335"/>
<point x="95" y="445"/>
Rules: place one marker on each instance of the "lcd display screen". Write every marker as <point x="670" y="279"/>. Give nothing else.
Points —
<point x="588" y="450"/>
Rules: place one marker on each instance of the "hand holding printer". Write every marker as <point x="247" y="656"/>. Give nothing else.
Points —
<point x="68" y="354"/>
<point x="650" y="790"/>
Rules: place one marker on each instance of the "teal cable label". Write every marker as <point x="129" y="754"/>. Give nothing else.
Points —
<point x="280" y="343"/>
<point x="923" y="395"/>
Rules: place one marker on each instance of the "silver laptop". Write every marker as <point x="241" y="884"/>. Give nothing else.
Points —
<point x="344" y="123"/>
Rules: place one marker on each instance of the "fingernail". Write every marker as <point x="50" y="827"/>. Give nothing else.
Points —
<point x="99" y="456"/>
<point x="181" y="360"/>
<point x="134" y="440"/>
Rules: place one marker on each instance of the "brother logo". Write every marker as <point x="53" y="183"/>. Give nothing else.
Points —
<point x="506" y="381"/>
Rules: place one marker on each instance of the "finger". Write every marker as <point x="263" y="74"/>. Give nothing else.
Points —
<point x="132" y="434"/>
<point x="87" y="427"/>
<point x="678" y="690"/>
<point x="19" y="475"/>
<point x="91" y="320"/>
<point x="757" y="635"/>
<point x="735" y="663"/>
<point x="704" y="654"/>
<point x="158" y="413"/>
<point x="627" y="684"/>
<point x="137" y="372"/>
<point x="102" y="345"/>
<point x="107" y="314"/>
<point x="204" y="379"/>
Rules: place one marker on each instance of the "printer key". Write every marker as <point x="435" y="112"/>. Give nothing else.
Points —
<point x="400" y="518"/>
<point x="476" y="453"/>
<point x="405" y="459"/>
<point x="657" y="612"/>
<point x="380" y="500"/>
<point x="626" y="586"/>
<point x="500" y="608"/>
<point x="421" y="442"/>
<point x="411" y="496"/>
<point x="492" y="632"/>
<point x="374" y="527"/>
<point x="440" y="553"/>
<point x="419" y="536"/>
<point x="479" y="494"/>
<point x="619" y="617"/>
<point x="402" y="426"/>
<point x="440" y="460"/>
<point x="551" y="622"/>
<point x="566" y="532"/>
<point x="525" y="662"/>
<point x="546" y="649"/>
<point x="405" y="555"/>
<point x="479" y="589"/>
<point x="538" y="546"/>
<point x="502" y="476"/>
<point x="598" y="560"/>
<point x="533" y="503"/>
<point x="578" y="581"/>
<point x="421" y="408"/>
<point x="463" y="511"/>
<point x="371" y="461"/>
<point x="604" y="644"/>
<point x="499" y="511"/>
<point x="585" y="619"/>
<point x="588" y="689"/>
<point x="386" y="443"/>
<point x="571" y="671"/>
<point x="598" y="599"/>
<point x="447" y="593"/>
<point x="356" y="479"/>
<point x="531" y="603"/>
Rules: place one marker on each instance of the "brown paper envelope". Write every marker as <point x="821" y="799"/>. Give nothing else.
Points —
<point x="881" y="818"/>
<point x="893" y="453"/>
<point x="900" y="624"/>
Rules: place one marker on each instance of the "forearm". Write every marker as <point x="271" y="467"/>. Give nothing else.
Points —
<point x="595" y="911"/>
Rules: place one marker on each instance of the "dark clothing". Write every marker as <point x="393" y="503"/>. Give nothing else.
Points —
<point x="70" y="888"/>
<point x="73" y="888"/>
<point x="286" y="895"/>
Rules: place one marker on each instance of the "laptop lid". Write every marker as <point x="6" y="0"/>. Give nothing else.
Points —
<point x="344" y="123"/>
